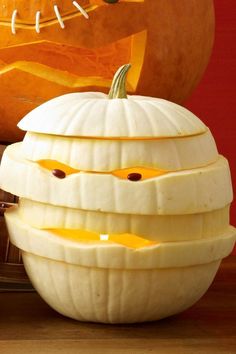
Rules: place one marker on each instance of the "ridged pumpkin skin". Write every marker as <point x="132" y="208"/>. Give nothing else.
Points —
<point x="91" y="154"/>
<point x="137" y="239"/>
<point x="113" y="284"/>
<point x="168" y="43"/>
<point x="170" y="227"/>
<point x="160" y="295"/>
<point x="94" y="115"/>
<point x="161" y="195"/>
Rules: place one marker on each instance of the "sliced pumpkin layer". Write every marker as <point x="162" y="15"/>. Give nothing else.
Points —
<point x="160" y="228"/>
<point x="116" y="256"/>
<point x="109" y="155"/>
<point x="185" y="192"/>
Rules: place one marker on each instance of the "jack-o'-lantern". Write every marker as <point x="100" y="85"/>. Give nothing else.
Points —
<point x="49" y="48"/>
<point x="124" y="205"/>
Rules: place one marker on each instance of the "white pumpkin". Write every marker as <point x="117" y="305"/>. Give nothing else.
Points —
<point x="161" y="228"/>
<point x="104" y="155"/>
<point x="94" y="115"/>
<point x="107" y="193"/>
<point x="138" y="210"/>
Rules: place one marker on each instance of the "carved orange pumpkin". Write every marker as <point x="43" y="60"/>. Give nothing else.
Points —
<point x="51" y="47"/>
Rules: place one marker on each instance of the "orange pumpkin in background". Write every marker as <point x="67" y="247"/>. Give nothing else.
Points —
<point x="52" y="47"/>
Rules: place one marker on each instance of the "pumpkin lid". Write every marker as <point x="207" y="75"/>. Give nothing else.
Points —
<point x="116" y="115"/>
<point x="94" y="115"/>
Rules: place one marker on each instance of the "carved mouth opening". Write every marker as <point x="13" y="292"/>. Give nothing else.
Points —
<point x="74" y="67"/>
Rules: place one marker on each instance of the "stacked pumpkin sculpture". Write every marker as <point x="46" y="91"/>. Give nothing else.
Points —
<point x="124" y="205"/>
<point x="53" y="47"/>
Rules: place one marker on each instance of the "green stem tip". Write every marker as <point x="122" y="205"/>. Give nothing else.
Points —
<point x="118" y="86"/>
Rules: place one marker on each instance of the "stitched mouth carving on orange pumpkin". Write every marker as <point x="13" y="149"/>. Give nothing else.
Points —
<point x="50" y="13"/>
<point x="34" y="22"/>
<point x="53" y="14"/>
<point x="75" y="68"/>
<point x="57" y="61"/>
<point x="40" y="60"/>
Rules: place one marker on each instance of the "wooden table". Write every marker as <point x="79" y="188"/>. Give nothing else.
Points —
<point x="28" y="325"/>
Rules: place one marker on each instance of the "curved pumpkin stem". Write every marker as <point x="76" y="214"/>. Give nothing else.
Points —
<point x="118" y="89"/>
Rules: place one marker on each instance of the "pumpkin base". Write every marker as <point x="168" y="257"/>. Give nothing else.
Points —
<point x="91" y="294"/>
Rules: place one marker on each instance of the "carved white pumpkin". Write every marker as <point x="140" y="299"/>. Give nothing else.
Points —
<point x="124" y="205"/>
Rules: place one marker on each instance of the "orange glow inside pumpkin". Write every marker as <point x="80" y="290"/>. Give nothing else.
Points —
<point x="77" y="67"/>
<point x="122" y="173"/>
<point x="128" y="240"/>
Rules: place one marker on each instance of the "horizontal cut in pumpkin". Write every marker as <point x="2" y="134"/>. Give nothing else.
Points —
<point x="91" y="154"/>
<point x="122" y="173"/>
<point x="105" y="193"/>
<point x="160" y="228"/>
<point x="128" y="240"/>
<point x="111" y="255"/>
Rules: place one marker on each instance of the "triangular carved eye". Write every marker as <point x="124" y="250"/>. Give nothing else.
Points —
<point x="134" y="174"/>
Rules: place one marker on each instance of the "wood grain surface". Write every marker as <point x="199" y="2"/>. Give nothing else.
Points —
<point x="28" y="325"/>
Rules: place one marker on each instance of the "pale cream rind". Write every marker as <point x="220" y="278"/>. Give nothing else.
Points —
<point x="86" y="227"/>
<point x="114" y="256"/>
<point x="117" y="295"/>
<point x="186" y="192"/>
<point x="94" y="115"/>
<point x="162" y="228"/>
<point x="108" y="155"/>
